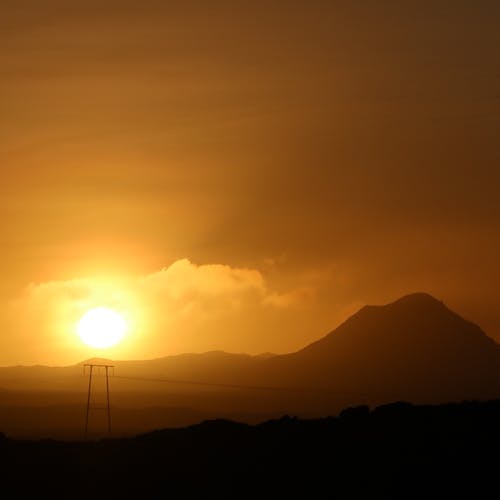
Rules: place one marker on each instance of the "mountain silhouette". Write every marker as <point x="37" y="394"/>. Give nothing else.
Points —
<point x="415" y="349"/>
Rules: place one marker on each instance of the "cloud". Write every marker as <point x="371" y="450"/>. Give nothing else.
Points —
<point x="292" y="298"/>
<point x="185" y="280"/>
<point x="177" y="307"/>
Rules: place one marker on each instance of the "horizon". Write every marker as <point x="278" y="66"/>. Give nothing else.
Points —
<point x="399" y="300"/>
<point x="230" y="352"/>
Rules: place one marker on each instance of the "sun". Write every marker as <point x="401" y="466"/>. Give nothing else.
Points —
<point x="101" y="327"/>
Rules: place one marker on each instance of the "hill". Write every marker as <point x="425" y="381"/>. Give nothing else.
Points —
<point x="394" y="451"/>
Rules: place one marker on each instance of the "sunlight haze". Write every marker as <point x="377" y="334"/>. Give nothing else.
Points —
<point x="242" y="177"/>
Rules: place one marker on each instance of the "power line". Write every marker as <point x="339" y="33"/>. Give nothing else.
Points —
<point x="212" y="384"/>
<point x="227" y="386"/>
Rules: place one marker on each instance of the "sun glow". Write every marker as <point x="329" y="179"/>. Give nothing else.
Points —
<point x="101" y="327"/>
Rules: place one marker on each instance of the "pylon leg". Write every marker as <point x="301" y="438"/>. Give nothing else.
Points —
<point x="107" y="399"/>
<point x="88" y="405"/>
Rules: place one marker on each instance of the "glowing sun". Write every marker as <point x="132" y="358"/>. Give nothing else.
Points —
<point x="101" y="327"/>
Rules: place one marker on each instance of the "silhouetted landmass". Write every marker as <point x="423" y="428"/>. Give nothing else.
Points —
<point x="394" y="451"/>
<point x="415" y="349"/>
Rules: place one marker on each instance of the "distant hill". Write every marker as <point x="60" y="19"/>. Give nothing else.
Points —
<point x="414" y="349"/>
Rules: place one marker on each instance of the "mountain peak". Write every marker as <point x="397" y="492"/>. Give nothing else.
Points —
<point x="412" y="304"/>
<point x="419" y="298"/>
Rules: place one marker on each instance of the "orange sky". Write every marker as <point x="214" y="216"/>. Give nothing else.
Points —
<point x="314" y="156"/>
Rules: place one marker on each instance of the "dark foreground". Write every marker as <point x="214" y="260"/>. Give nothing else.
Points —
<point x="396" y="451"/>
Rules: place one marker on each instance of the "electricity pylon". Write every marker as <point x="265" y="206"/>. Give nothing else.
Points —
<point x="91" y="367"/>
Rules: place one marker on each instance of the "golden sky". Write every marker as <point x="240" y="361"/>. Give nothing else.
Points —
<point x="243" y="175"/>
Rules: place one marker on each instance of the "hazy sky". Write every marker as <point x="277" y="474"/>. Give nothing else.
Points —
<point x="243" y="175"/>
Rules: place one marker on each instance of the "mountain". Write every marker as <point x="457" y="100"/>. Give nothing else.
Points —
<point x="415" y="349"/>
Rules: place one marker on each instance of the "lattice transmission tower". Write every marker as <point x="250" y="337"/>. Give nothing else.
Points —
<point x="103" y="407"/>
